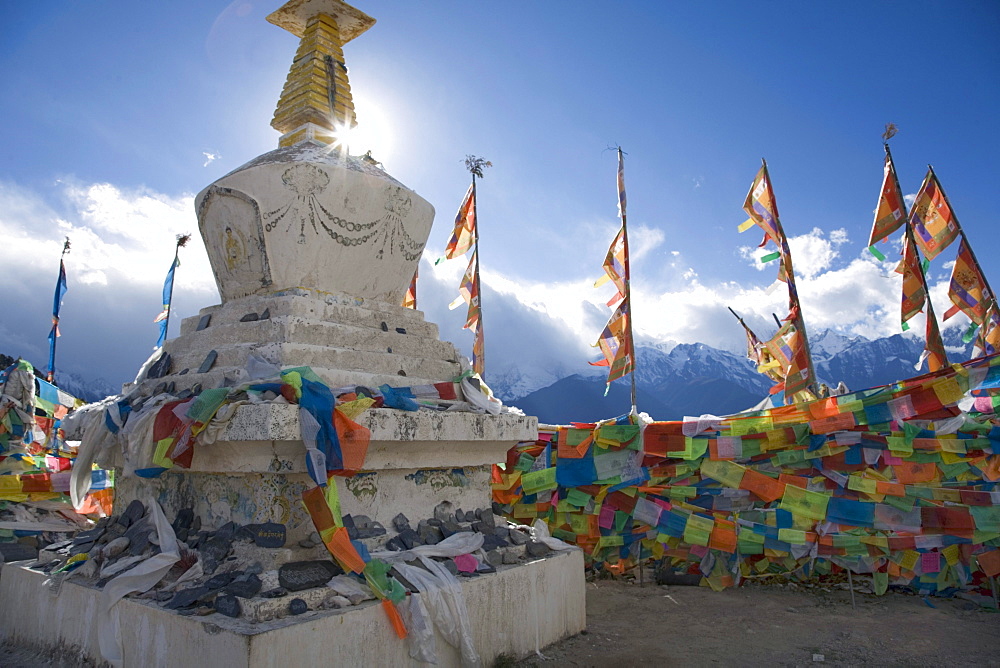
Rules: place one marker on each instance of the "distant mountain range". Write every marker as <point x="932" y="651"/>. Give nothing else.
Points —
<point x="694" y="379"/>
<point x="88" y="390"/>
<point x="672" y="380"/>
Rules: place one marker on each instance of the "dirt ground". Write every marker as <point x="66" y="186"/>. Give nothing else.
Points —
<point x="773" y="625"/>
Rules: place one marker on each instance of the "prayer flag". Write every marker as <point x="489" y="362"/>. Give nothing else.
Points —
<point x="469" y="294"/>
<point x="890" y="213"/>
<point x="931" y="219"/>
<point x="934" y="351"/>
<point x="914" y="289"/>
<point x="615" y="341"/>
<point x="759" y="205"/>
<point x="968" y="290"/>
<point x="410" y="298"/>
<point x="60" y="292"/>
<point x="787" y="347"/>
<point x="464" y="235"/>
<point x="168" y="287"/>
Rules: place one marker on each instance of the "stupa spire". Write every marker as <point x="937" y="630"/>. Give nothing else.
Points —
<point x="316" y="100"/>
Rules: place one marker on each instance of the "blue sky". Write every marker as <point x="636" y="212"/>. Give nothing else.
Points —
<point x="117" y="113"/>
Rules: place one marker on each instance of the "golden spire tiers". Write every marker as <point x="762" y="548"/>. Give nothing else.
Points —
<point x="316" y="100"/>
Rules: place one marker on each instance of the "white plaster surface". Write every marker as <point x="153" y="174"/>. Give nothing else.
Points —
<point x="309" y="216"/>
<point x="508" y="611"/>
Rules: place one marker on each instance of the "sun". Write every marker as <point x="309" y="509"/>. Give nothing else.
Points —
<point x="373" y="132"/>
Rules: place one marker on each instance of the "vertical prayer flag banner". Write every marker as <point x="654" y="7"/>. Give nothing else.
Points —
<point x="410" y="298"/>
<point x="60" y="292"/>
<point x="968" y="290"/>
<point x="168" y="288"/>
<point x="914" y="289"/>
<point x="468" y="293"/>
<point x="933" y="223"/>
<point x="464" y="235"/>
<point x="889" y="215"/>
<point x="614" y="268"/>
<point x="934" y="351"/>
<point x="614" y="344"/>
<point x="787" y="348"/>
<point x="615" y="341"/>
<point x="759" y="205"/>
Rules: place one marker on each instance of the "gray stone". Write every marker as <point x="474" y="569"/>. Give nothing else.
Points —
<point x="362" y="521"/>
<point x="299" y="575"/>
<point x="266" y="315"/>
<point x="215" y="548"/>
<point x="245" y="586"/>
<point x="132" y="514"/>
<point x="431" y="535"/>
<point x="159" y="368"/>
<point x="297" y="606"/>
<point x="187" y="597"/>
<point x="410" y="538"/>
<point x="487" y="568"/>
<point x="537" y="549"/>
<point x="115" y="547"/>
<point x="307" y="543"/>
<point x="451" y="566"/>
<point x="403" y="581"/>
<point x="444" y="511"/>
<point x="449" y="528"/>
<point x="400" y="330"/>
<point x="250" y="317"/>
<point x="494" y="557"/>
<point x="510" y="556"/>
<point x="204" y="322"/>
<point x="371" y="531"/>
<point x="209" y="361"/>
<point x="385" y="327"/>
<point x="518" y="537"/>
<point x="228" y="605"/>
<point x="400" y="522"/>
<point x="395" y="544"/>
<point x="269" y="534"/>
<point x="277" y="592"/>
<point x="221" y="580"/>
<point x="485" y="516"/>
<point x="227" y="531"/>
<point x="435" y="522"/>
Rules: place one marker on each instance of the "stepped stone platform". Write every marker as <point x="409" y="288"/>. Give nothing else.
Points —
<point x="515" y="611"/>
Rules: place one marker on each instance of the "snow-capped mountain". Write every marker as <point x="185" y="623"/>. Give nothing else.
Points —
<point x="674" y="381"/>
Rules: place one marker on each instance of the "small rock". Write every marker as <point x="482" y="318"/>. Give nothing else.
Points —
<point x="510" y="556"/>
<point x="400" y="523"/>
<point x="187" y="597"/>
<point x="221" y="580"/>
<point x="444" y="511"/>
<point x="266" y="315"/>
<point x="430" y="535"/>
<point x="297" y="606"/>
<point x="159" y="368"/>
<point x="537" y="549"/>
<point x="518" y="537"/>
<point x="228" y="605"/>
<point x="401" y="330"/>
<point x="818" y="658"/>
<point x="209" y="362"/>
<point x="133" y="513"/>
<point x="244" y="587"/>
<point x="115" y="547"/>
<point x="250" y="317"/>
<point x="204" y="322"/>
<point x="494" y="557"/>
<point x="410" y="538"/>
<point x="269" y="534"/>
<point x="277" y="592"/>
<point x="299" y="575"/>
<point x="385" y="327"/>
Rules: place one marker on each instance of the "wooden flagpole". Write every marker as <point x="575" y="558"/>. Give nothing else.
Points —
<point x="790" y="276"/>
<point x="476" y="165"/>
<point x="628" y="288"/>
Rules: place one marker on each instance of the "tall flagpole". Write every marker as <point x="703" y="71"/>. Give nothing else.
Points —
<point x="182" y="240"/>
<point x="628" y="287"/>
<point x="50" y="376"/>
<point x="476" y="165"/>
<point x="908" y="231"/>
<point x="790" y="277"/>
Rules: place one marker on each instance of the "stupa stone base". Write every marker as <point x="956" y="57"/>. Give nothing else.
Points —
<point x="514" y="611"/>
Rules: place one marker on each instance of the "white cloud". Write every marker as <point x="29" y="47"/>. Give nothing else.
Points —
<point x="209" y="158"/>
